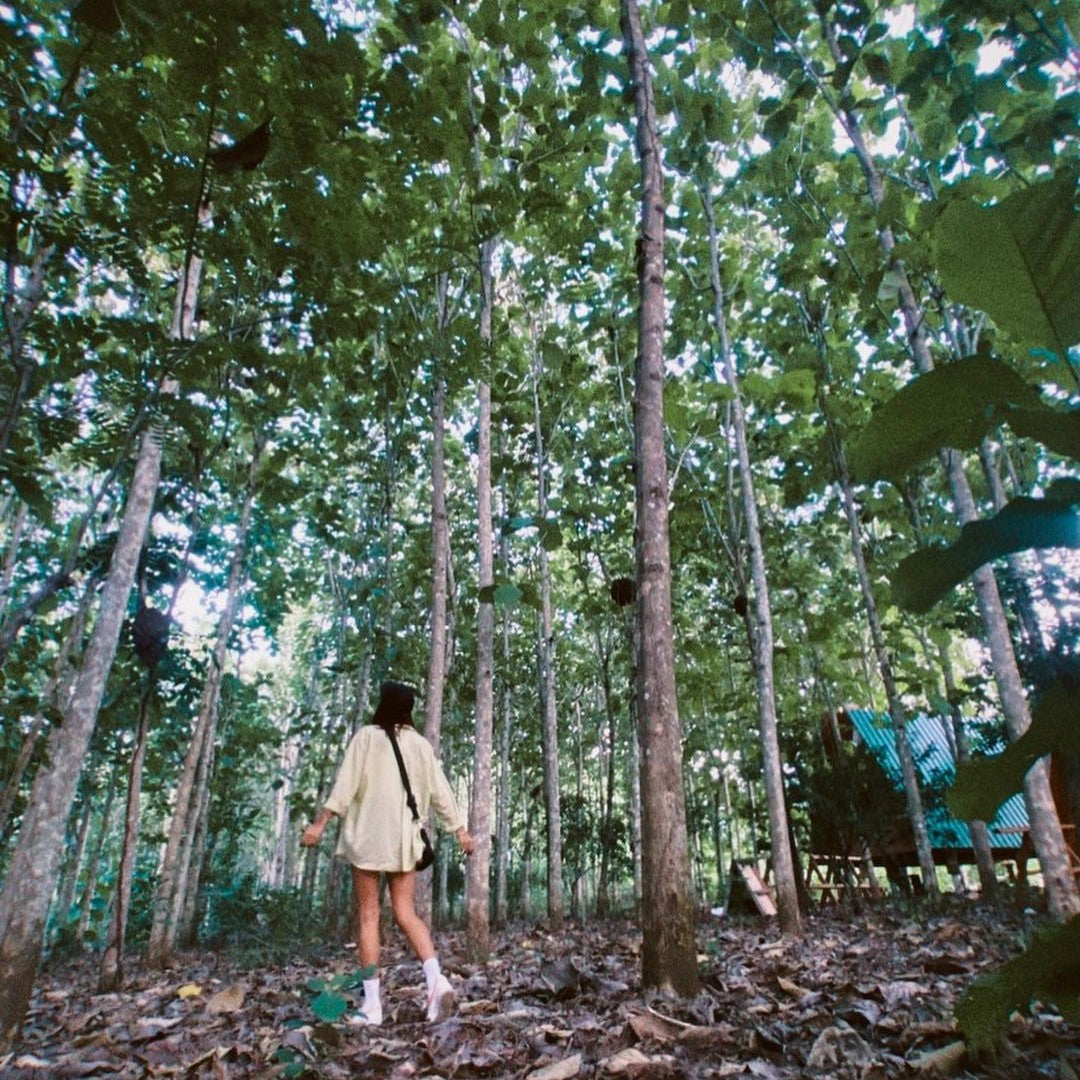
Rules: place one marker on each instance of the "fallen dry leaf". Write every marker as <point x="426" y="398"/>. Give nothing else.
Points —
<point x="188" y="990"/>
<point x="559" y="1070"/>
<point x="944" y="1062"/>
<point x="228" y="1000"/>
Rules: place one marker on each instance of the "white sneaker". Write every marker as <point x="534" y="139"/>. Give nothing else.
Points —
<point x="368" y="1015"/>
<point x="441" y="1000"/>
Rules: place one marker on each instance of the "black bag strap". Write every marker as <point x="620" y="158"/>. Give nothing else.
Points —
<point x="404" y="775"/>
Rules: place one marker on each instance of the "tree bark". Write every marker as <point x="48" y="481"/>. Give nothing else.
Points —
<point x="502" y="804"/>
<point x="57" y="694"/>
<point x="437" y="672"/>
<point x="477" y="919"/>
<point x="759" y="625"/>
<point x="111" y="972"/>
<point x="172" y="881"/>
<point x="31" y="876"/>
<point x="549" y="722"/>
<point x="669" y="951"/>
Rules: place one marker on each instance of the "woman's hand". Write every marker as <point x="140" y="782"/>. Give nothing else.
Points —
<point x="468" y="845"/>
<point x="313" y="833"/>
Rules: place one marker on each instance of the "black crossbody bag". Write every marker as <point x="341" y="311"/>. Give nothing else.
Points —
<point x="428" y="856"/>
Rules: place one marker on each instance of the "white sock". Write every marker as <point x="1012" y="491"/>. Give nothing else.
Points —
<point x="371" y="995"/>
<point x="432" y="971"/>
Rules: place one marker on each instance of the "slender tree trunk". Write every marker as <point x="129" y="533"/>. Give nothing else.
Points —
<point x="669" y="952"/>
<point x="186" y="923"/>
<point x="111" y="972"/>
<point x="477" y="919"/>
<point x="1046" y="834"/>
<point x="502" y="806"/>
<point x="761" y="635"/>
<point x="1014" y="572"/>
<point x="69" y="879"/>
<point x="31" y="876"/>
<point x="172" y="881"/>
<point x="440" y="558"/>
<point x="93" y="864"/>
<point x="525" y="898"/>
<point x="634" y="770"/>
<point x="909" y="774"/>
<point x="546" y="655"/>
<point x="608" y="729"/>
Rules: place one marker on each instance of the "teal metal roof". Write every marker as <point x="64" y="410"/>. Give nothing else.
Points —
<point x="934" y="763"/>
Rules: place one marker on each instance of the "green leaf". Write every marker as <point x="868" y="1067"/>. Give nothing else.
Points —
<point x="924" y="577"/>
<point x="1057" y="431"/>
<point x="797" y="388"/>
<point x="551" y="537"/>
<point x="984" y="783"/>
<point x="329" y="1007"/>
<point x="1019" y="260"/>
<point x="507" y="595"/>
<point x="1049" y="970"/>
<point x="954" y="405"/>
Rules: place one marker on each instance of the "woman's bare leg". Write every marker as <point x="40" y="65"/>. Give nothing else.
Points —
<point x="366" y="898"/>
<point x="402" y="892"/>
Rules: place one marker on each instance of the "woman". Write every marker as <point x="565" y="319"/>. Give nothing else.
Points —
<point x="379" y="836"/>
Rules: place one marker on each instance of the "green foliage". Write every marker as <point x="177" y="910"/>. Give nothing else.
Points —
<point x="984" y="783"/>
<point x="954" y="405"/>
<point x="926" y="576"/>
<point x="1048" y="970"/>
<point x="1018" y="260"/>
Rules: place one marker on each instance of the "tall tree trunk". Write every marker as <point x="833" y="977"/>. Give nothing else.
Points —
<point x="759" y="625"/>
<point x="1046" y="834"/>
<point x="172" y="881"/>
<point x="31" y="876"/>
<point x="56" y="695"/>
<point x="440" y="558"/>
<point x="525" y="898"/>
<point x="477" y="919"/>
<point x="502" y="806"/>
<point x="908" y="771"/>
<point x="608" y="739"/>
<point x="1015" y="575"/>
<point x="549" y="721"/>
<point x="669" y="952"/>
<point x="111" y="971"/>
<point x="69" y="878"/>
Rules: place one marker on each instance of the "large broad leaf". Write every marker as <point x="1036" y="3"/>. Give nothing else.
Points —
<point x="954" y="405"/>
<point x="1019" y="260"/>
<point x="924" y="577"/>
<point x="1049" y="971"/>
<point x="983" y="784"/>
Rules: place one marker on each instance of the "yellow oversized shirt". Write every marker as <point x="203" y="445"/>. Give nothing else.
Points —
<point x="377" y="828"/>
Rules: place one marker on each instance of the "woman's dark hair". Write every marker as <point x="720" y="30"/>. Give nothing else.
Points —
<point x="395" y="705"/>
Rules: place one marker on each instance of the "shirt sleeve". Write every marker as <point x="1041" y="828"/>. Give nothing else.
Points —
<point x="442" y="799"/>
<point x="348" y="778"/>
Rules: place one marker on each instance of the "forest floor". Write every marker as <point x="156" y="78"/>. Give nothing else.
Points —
<point x="867" y="996"/>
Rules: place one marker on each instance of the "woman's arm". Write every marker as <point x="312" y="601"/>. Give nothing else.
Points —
<point x="343" y="791"/>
